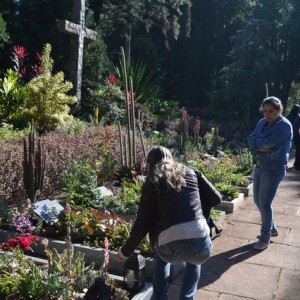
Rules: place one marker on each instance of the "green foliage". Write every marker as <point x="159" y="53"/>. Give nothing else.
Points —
<point x="75" y="126"/>
<point x="81" y="184"/>
<point x="4" y="35"/>
<point x="125" y="202"/>
<point x="163" y="109"/>
<point x="31" y="286"/>
<point x="224" y="173"/>
<point x="167" y="139"/>
<point x="108" y="166"/>
<point x="12" y="269"/>
<point x="212" y="141"/>
<point x="89" y="225"/>
<point x="119" y="17"/>
<point x="228" y="192"/>
<point x="22" y="279"/>
<point x="108" y="98"/>
<point x="8" y="133"/>
<point x="214" y="214"/>
<point x="142" y="80"/>
<point x="245" y="162"/>
<point x="47" y="96"/>
<point x="12" y="98"/>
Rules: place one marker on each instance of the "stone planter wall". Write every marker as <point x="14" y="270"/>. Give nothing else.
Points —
<point x="230" y="206"/>
<point x="247" y="191"/>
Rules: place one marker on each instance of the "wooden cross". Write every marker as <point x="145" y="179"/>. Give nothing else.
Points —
<point x="78" y="33"/>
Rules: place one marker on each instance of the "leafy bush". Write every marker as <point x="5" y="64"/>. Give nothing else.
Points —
<point x="81" y="184"/>
<point x="47" y="100"/>
<point x="12" y="98"/>
<point x="8" y="133"/>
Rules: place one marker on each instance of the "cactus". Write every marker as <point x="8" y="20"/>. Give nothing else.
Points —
<point x="128" y="141"/>
<point x="125" y="80"/>
<point x="183" y="130"/>
<point x="196" y="131"/>
<point x="33" y="166"/>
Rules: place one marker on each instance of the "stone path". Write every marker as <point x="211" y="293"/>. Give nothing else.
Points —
<point x="236" y="271"/>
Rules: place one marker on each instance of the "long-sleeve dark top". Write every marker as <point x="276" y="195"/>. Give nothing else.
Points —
<point x="158" y="210"/>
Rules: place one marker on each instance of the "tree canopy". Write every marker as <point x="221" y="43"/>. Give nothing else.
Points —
<point x="206" y="54"/>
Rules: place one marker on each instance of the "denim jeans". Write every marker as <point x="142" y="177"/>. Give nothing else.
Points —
<point x="193" y="252"/>
<point x="265" y="184"/>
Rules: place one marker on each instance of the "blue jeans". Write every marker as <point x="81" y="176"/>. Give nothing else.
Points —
<point x="193" y="252"/>
<point x="265" y="184"/>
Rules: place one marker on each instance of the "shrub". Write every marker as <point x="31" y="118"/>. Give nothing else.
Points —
<point x="90" y="145"/>
<point x="47" y="96"/>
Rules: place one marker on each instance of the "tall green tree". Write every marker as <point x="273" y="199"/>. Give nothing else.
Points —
<point x="193" y="63"/>
<point x="264" y="50"/>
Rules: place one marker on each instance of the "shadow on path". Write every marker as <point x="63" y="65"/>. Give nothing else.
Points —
<point x="217" y="265"/>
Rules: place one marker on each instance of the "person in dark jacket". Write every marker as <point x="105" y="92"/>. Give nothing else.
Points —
<point x="170" y="211"/>
<point x="294" y="118"/>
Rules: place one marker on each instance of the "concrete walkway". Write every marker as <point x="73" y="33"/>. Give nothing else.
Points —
<point x="237" y="271"/>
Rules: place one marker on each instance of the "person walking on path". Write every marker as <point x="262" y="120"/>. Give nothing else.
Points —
<point x="170" y="211"/>
<point x="270" y="143"/>
<point x="294" y="118"/>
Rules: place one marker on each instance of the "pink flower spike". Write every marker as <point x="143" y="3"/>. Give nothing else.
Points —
<point x="20" y="51"/>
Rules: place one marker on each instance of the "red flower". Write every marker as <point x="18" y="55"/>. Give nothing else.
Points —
<point x="20" y="51"/>
<point x="112" y="79"/>
<point x="22" y="242"/>
<point x="39" y="69"/>
<point x="22" y="72"/>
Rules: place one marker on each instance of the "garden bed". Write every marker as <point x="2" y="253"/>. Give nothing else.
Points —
<point x="230" y="206"/>
<point x="91" y="255"/>
<point x="144" y="294"/>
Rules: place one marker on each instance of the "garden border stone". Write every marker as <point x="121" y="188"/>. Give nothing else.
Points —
<point x="247" y="191"/>
<point x="230" y="206"/>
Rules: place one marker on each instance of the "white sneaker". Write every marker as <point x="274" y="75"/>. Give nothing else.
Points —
<point x="260" y="246"/>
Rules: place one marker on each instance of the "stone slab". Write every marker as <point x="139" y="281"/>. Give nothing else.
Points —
<point x="206" y="295"/>
<point x="244" y="231"/>
<point x="293" y="238"/>
<point x="239" y="279"/>
<point x="279" y="256"/>
<point x="232" y="297"/>
<point x="288" y="286"/>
